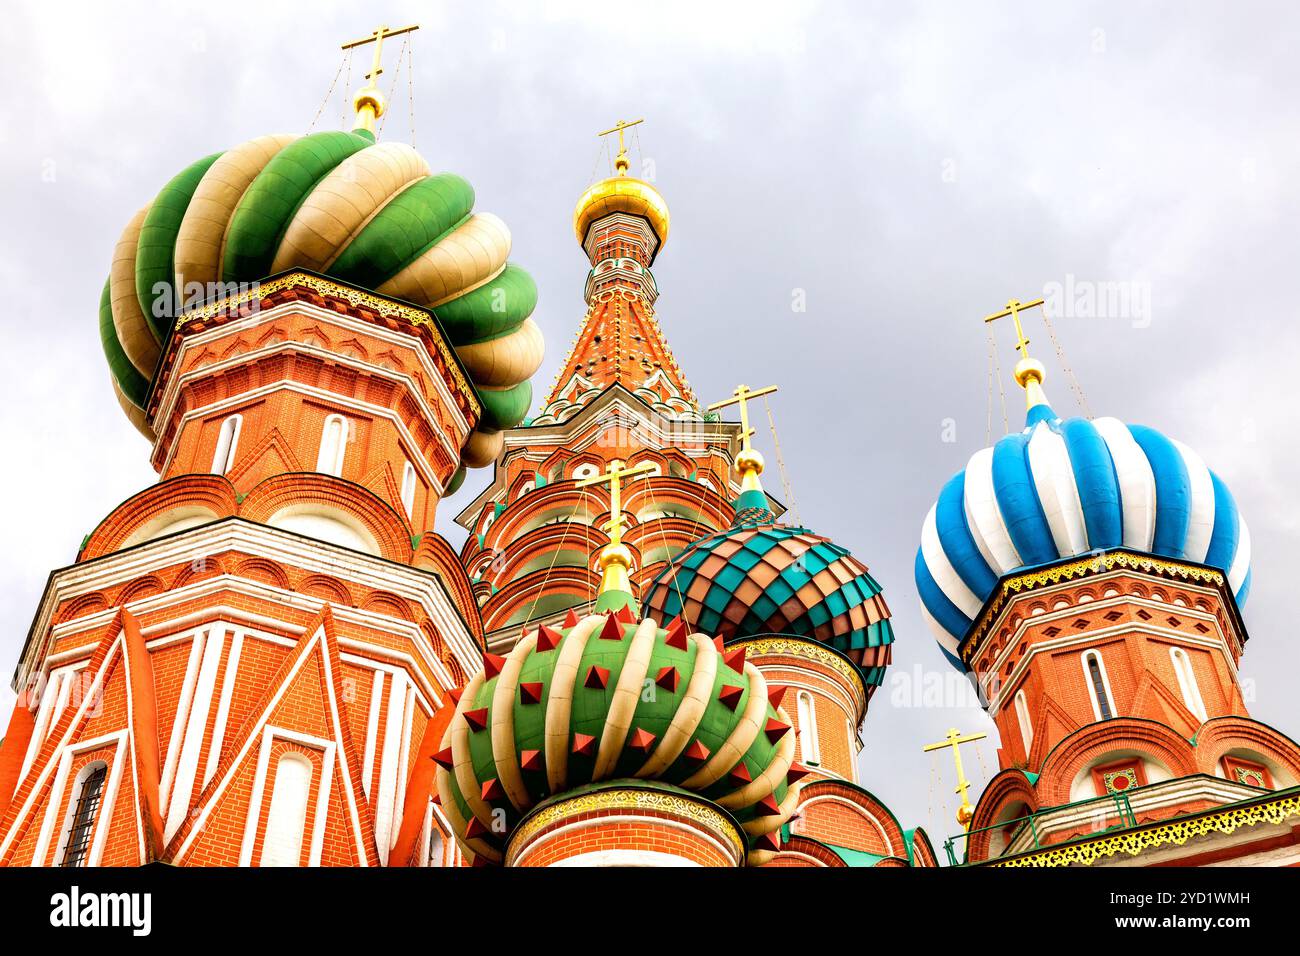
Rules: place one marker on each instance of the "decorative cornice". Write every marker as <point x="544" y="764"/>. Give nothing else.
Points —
<point x="695" y="810"/>
<point x="425" y="587"/>
<point x="1015" y="584"/>
<point x="356" y="298"/>
<point x="1172" y="833"/>
<point x="786" y="646"/>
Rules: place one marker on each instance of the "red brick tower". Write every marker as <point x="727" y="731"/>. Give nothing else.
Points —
<point x="1114" y="684"/>
<point x="620" y="397"/>
<point x="249" y="661"/>
<point x="244" y="661"/>
<point x="1089" y="575"/>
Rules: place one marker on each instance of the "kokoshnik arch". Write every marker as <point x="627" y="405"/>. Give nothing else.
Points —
<point x="267" y="658"/>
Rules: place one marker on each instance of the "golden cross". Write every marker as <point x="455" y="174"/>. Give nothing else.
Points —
<point x="613" y="476"/>
<point x="1013" y="309"/>
<point x="741" y="396"/>
<point x="954" y="740"/>
<point x="378" y="38"/>
<point x="618" y="128"/>
<point x="620" y="161"/>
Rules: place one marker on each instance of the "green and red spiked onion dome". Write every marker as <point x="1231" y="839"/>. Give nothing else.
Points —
<point x="759" y="577"/>
<point x="607" y="698"/>
<point x="369" y="214"/>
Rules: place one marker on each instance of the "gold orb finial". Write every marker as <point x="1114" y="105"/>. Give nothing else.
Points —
<point x="368" y="103"/>
<point x="1029" y="370"/>
<point x="750" y="459"/>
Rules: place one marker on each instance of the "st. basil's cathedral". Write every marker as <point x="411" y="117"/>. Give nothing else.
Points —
<point x="269" y="658"/>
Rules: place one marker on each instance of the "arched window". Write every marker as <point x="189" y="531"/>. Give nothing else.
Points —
<point x="1187" y="682"/>
<point x="227" y="442"/>
<point x="1094" y="670"/>
<point x="812" y="754"/>
<point x="333" y="446"/>
<point x="1022" y="715"/>
<point x="286" y="821"/>
<point x="408" y="488"/>
<point x="85" y="807"/>
<point x="436" y="847"/>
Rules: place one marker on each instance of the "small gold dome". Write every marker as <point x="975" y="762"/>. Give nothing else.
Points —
<point x="369" y="96"/>
<point x="750" y="460"/>
<point x="621" y="194"/>
<point x="1029" y="369"/>
<point x="614" y="554"/>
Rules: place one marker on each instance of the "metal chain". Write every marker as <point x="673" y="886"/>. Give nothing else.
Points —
<point x="555" y="555"/>
<point x="988" y="431"/>
<point x="699" y="509"/>
<point x="392" y="87"/>
<point x="328" y="94"/>
<point x="780" y="464"/>
<point x="997" y="365"/>
<point x="410" y="95"/>
<point x="347" y="85"/>
<point x="1070" y="377"/>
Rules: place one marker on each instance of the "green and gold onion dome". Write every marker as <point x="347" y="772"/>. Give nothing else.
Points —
<point x="759" y="577"/>
<point x="606" y="698"/>
<point x="338" y="203"/>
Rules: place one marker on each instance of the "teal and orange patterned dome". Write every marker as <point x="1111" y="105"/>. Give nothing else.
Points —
<point x="338" y="203"/>
<point x="606" y="698"/>
<point x="759" y="577"/>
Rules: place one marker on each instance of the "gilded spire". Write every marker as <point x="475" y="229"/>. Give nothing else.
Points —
<point x="622" y="224"/>
<point x="1029" y="372"/>
<point x="368" y="103"/>
<point x="615" y="560"/>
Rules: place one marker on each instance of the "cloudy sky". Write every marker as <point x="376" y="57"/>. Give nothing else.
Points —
<point x="904" y="169"/>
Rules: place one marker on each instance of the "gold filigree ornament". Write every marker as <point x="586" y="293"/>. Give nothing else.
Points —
<point x="657" y="801"/>
<point x="1173" y="833"/>
<point x="1092" y="564"/>
<point x="357" y="298"/>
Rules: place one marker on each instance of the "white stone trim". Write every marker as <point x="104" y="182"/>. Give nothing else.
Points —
<point x="181" y="718"/>
<point x="727" y="851"/>
<point x="104" y="814"/>
<point x="317" y="638"/>
<point x="611" y="858"/>
<point x="196" y="725"/>
<point x="233" y="533"/>
<point x="399" y="340"/>
<point x="372" y="729"/>
<point x="228" y="681"/>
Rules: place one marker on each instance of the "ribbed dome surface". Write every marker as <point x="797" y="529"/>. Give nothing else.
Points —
<point x="370" y="214"/>
<point x="1064" y="487"/>
<point x="759" y="577"/>
<point x="608" y="699"/>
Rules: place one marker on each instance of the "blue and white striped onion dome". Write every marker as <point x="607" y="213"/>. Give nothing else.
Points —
<point x="1062" y="488"/>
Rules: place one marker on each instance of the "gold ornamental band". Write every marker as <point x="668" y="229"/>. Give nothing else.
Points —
<point x="357" y="298"/>
<point x="1084" y="566"/>
<point x="678" y="805"/>
<point x="1176" y="833"/>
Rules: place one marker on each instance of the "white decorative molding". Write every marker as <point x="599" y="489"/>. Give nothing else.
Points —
<point x="171" y="392"/>
<point x="422" y="587"/>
